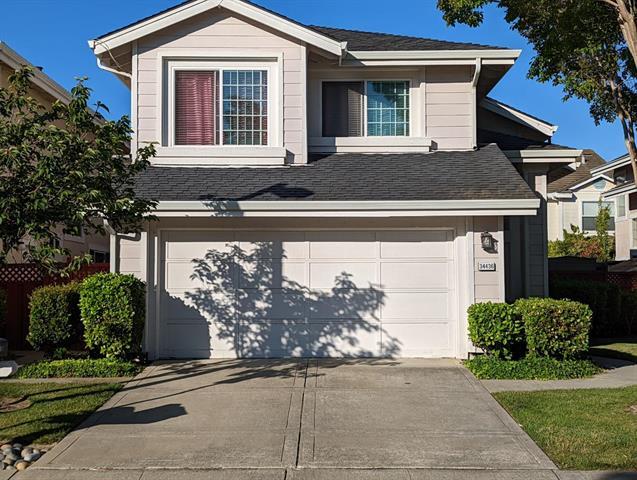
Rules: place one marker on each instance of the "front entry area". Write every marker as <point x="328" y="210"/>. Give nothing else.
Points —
<point x="307" y="293"/>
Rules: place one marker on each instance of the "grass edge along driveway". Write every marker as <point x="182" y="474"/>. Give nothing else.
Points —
<point x="580" y="429"/>
<point x="55" y="409"/>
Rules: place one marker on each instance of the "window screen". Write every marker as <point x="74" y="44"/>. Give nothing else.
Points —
<point x="342" y="109"/>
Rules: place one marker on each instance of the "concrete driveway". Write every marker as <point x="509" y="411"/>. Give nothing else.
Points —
<point x="298" y="420"/>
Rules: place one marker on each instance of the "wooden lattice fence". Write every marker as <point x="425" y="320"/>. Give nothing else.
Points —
<point x="19" y="281"/>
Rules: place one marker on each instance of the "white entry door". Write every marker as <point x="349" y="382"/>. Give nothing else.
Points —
<point x="307" y="294"/>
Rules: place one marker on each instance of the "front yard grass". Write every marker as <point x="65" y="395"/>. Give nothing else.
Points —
<point x="80" y="367"/>
<point x="623" y="350"/>
<point x="580" y="429"/>
<point x="53" y="409"/>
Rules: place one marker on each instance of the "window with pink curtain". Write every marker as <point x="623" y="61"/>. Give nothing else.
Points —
<point x="196" y="108"/>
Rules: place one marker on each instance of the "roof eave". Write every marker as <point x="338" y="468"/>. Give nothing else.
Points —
<point x="188" y="10"/>
<point x="488" y="56"/>
<point x="518" y="116"/>
<point x="542" y="156"/>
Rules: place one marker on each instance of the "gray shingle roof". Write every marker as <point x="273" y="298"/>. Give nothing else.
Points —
<point x="482" y="174"/>
<point x="562" y="179"/>
<point x="372" y="41"/>
<point x="357" y="40"/>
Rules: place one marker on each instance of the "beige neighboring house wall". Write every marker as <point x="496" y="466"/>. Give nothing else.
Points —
<point x="46" y="91"/>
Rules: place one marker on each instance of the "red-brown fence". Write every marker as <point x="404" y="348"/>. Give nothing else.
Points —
<point x="19" y="281"/>
<point x="624" y="280"/>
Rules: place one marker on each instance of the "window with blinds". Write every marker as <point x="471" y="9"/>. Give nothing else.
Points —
<point x="343" y="109"/>
<point x="239" y="117"/>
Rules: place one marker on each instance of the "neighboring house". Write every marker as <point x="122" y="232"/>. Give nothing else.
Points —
<point x="624" y="198"/>
<point x="46" y="91"/>
<point x="325" y="192"/>
<point x="575" y="196"/>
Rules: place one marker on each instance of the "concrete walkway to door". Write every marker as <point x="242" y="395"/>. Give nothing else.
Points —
<point x="306" y="419"/>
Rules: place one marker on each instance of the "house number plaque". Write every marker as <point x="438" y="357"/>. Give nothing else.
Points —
<point x="486" y="266"/>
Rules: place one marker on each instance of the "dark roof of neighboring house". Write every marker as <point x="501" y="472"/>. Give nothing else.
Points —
<point x="562" y="179"/>
<point x="356" y="40"/>
<point x="510" y="142"/>
<point x="482" y="174"/>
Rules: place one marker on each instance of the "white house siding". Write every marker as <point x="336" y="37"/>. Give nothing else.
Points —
<point x="623" y="239"/>
<point x="469" y="285"/>
<point x="449" y="107"/>
<point x="441" y="99"/>
<point x="554" y="220"/>
<point x="224" y="34"/>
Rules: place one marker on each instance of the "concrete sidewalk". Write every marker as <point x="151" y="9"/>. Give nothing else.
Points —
<point x="308" y="419"/>
<point x="618" y="374"/>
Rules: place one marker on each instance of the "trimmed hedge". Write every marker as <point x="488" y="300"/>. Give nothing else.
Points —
<point x="113" y="312"/>
<point x="555" y="328"/>
<point x="497" y="329"/>
<point x="604" y="299"/>
<point x="530" y="368"/>
<point x="100" y="367"/>
<point x="54" y="317"/>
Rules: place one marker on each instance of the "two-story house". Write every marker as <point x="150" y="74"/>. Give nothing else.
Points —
<point x="46" y="91"/>
<point x="324" y="192"/>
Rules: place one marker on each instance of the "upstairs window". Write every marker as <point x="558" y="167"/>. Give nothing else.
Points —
<point x="373" y="108"/>
<point x="221" y="107"/>
<point x="589" y="215"/>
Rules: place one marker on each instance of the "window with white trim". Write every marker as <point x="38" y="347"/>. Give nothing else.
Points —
<point x="371" y="108"/>
<point x="620" y="204"/>
<point x="219" y="104"/>
<point x="589" y="215"/>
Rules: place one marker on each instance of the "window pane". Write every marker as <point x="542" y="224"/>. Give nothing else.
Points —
<point x="245" y="110"/>
<point x="621" y="206"/>
<point x="590" y="209"/>
<point x="196" y="108"/>
<point x="342" y="109"/>
<point x="388" y="108"/>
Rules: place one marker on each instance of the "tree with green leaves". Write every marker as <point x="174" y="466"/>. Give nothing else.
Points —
<point x="63" y="168"/>
<point x="604" y="240"/>
<point x="588" y="47"/>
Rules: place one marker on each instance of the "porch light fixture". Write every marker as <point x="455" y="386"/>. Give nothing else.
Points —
<point x="489" y="244"/>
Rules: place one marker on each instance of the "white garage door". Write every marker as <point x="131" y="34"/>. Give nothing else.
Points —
<point x="308" y="294"/>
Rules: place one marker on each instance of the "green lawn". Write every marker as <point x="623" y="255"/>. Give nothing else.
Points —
<point x="580" y="429"/>
<point x="55" y="409"/>
<point x="621" y="349"/>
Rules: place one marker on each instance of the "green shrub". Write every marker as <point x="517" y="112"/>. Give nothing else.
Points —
<point x="113" y="311"/>
<point x="603" y="298"/>
<point x="497" y="329"/>
<point x="100" y="367"/>
<point x="54" y="320"/>
<point x="555" y="328"/>
<point x="530" y="368"/>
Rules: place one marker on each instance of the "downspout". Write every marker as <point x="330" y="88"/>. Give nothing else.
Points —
<point x="93" y="44"/>
<point x="114" y="247"/>
<point x="474" y="97"/>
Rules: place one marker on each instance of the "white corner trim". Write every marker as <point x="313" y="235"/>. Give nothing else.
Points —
<point x="541" y="156"/>
<point x="517" y="116"/>
<point x="195" y="7"/>
<point x="40" y="79"/>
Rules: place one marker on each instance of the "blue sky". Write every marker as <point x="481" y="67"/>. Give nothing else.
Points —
<point x="56" y="32"/>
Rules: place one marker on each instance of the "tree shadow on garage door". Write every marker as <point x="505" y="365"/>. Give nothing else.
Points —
<point x="256" y="303"/>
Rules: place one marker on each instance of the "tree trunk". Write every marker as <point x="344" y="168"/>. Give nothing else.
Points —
<point x="628" y="26"/>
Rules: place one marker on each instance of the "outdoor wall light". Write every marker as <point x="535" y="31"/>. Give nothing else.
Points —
<point x="489" y="244"/>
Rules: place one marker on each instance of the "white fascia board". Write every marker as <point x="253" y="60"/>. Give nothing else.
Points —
<point x="499" y="54"/>
<point x="517" y="116"/>
<point x="349" y="208"/>
<point x="542" y="156"/>
<point x="630" y="188"/>
<point x="40" y="79"/>
<point x="253" y="12"/>
<point x="561" y="195"/>
<point x="620" y="162"/>
<point x="591" y="180"/>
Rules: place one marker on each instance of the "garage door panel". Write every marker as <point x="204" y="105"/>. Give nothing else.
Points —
<point x="289" y="245"/>
<point x="344" y="339"/>
<point x="273" y="339"/>
<point x="414" y="244"/>
<point x="181" y="276"/>
<point x="271" y="304"/>
<point x="272" y="273"/>
<point x="419" y="340"/>
<point x="345" y="304"/>
<point x="197" y="341"/>
<point x="343" y="274"/>
<point x="342" y="244"/>
<point x="414" y="305"/>
<point x="416" y="275"/>
<point x="196" y="245"/>
<point x="201" y="305"/>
